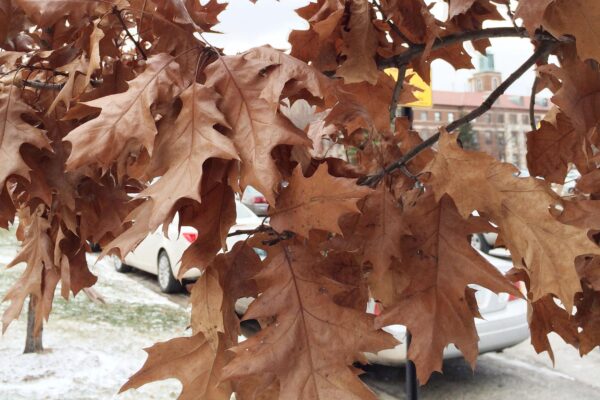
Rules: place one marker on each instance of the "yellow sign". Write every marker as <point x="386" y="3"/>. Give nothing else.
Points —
<point x="423" y="92"/>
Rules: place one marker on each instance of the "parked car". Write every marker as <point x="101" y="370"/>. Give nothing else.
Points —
<point x="484" y="242"/>
<point x="504" y="323"/>
<point x="161" y="255"/>
<point x="568" y="187"/>
<point x="255" y="201"/>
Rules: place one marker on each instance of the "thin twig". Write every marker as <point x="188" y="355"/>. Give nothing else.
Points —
<point x="260" y="228"/>
<point x="511" y="14"/>
<point x="532" y="104"/>
<point x="53" y="86"/>
<point x="285" y="235"/>
<point x="397" y="90"/>
<point x="391" y="24"/>
<point x="117" y="12"/>
<point x="541" y="51"/>
<point x="41" y="68"/>
<point x="449" y="40"/>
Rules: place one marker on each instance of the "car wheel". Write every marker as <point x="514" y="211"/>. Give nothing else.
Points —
<point x="120" y="266"/>
<point x="166" y="281"/>
<point x="478" y="242"/>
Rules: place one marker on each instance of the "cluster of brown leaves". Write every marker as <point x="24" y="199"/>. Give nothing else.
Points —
<point x="100" y="98"/>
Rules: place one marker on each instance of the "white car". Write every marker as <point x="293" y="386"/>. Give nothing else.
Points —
<point x="255" y="200"/>
<point x="504" y="323"/>
<point x="484" y="241"/>
<point x="161" y="255"/>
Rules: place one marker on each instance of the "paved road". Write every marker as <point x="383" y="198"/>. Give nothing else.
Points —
<point x="517" y="373"/>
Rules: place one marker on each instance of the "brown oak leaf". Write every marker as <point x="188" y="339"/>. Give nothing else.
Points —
<point x="437" y="265"/>
<point x="296" y="346"/>
<point x="316" y="202"/>
<point x="14" y="132"/>
<point x="251" y="85"/>
<point x="553" y="146"/>
<point x="105" y="138"/>
<point x="577" y="18"/>
<point x="543" y="246"/>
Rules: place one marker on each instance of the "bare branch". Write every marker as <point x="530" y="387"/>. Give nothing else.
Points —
<point x="449" y="40"/>
<point x="397" y="90"/>
<point x="541" y="51"/>
<point x="117" y="12"/>
<point x="532" y="104"/>
<point x="391" y="24"/>
<point x="51" y="86"/>
<point x="260" y="228"/>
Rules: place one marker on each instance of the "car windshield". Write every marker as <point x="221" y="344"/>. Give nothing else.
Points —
<point x="243" y="211"/>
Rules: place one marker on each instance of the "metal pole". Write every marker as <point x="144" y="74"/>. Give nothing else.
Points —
<point x="412" y="384"/>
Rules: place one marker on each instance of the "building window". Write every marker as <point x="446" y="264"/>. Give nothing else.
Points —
<point x="525" y="119"/>
<point x="475" y="138"/>
<point x="423" y="115"/>
<point x="494" y="83"/>
<point x="500" y="140"/>
<point x="512" y="118"/>
<point x="487" y="118"/>
<point x="500" y="118"/>
<point x="478" y="85"/>
<point x="514" y="135"/>
<point x="450" y="117"/>
<point x="437" y="116"/>
<point x="488" y="137"/>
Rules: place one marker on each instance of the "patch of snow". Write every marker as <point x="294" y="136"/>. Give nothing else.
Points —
<point x="113" y="285"/>
<point x="83" y="360"/>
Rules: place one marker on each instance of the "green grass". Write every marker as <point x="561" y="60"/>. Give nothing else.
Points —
<point x="120" y="313"/>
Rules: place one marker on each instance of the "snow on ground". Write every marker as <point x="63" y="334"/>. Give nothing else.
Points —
<point x="91" y="349"/>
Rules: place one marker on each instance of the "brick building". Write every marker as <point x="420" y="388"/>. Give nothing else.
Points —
<point x="500" y="132"/>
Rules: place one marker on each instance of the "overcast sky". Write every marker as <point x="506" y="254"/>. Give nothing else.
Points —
<point x="247" y="25"/>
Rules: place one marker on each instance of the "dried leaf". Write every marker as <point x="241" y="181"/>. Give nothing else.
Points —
<point x="251" y="85"/>
<point x="316" y="202"/>
<point x="438" y="264"/>
<point x="576" y="17"/>
<point x="14" y="132"/>
<point x="172" y="359"/>
<point x="306" y="316"/>
<point x="540" y="244"/>
<point x="106" y="137"/>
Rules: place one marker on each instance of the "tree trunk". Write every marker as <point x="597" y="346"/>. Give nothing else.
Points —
<point x="33" y="342"/>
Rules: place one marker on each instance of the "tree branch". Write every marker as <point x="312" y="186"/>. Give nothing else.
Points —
<point x="260" y="228"/>
<point x="532" y="104"/>
<point x="117" y="12"/>
<point x="542" y="50"/>
<point x="53" y="86"/>
<point x="449" y="40"/>
<point x="397" y="90"/>
<point x="391" y="24"/>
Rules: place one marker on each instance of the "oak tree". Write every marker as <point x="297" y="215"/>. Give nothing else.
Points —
<point x="115" y="115"/>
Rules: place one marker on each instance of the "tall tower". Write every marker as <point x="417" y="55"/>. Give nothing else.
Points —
<point x="486" y="78"/>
